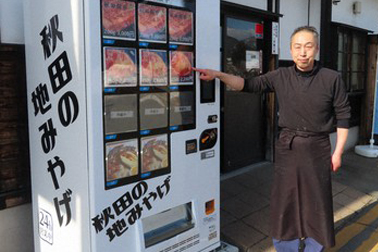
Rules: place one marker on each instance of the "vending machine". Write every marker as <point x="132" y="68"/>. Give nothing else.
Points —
<point x="124" y="140"/>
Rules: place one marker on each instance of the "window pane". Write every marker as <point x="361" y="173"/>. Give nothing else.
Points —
<point x="341" y="42"/>
<point x="243" y="40"/>
<point x="358" y="43"/>
<point x="358" y="62"/>
<point x="361" y="78"/>
<point x="357" y="81"/>
<point x="346" y="42"/>
<point x="351" y="57"/>
<point x="354" y="62"/>
<point x="347" y="80"/>
<point x="340" y="62"/>
<point x="348" y="66"/>
<point x="354" y="81"/>
<point x="362" y="60"/>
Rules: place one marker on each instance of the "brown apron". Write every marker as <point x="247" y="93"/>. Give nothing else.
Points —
<point x="301" y="198"/>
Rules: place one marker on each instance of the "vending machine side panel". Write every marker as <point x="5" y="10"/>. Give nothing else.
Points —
<point x="56" y="91"/>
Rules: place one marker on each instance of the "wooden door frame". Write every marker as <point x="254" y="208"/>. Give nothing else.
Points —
<point x="270" y="63"/>
<point x="368" y="100"/>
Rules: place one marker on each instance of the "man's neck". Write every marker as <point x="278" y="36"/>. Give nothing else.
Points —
<point x="306" y="72"/>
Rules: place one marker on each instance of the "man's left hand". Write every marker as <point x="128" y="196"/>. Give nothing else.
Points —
<point x="336" y="162"/>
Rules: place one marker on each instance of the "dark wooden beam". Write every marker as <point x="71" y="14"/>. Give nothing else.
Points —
<point x="325" y="32"/>
<point x="270" y="5"/>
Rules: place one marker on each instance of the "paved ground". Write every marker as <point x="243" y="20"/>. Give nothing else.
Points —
<point x="245" y="206"/>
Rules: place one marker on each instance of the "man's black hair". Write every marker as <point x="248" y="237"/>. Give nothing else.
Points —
<point x="308" y="29"/>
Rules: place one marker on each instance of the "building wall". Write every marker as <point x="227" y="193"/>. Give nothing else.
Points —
<point x="11" y="21"/>
<point x="314" y="14"/>
<point x="258" y="4"/>
<point x="294" y="17"/>
<point x="367" y="19"/>
<point x="16" y="230"/>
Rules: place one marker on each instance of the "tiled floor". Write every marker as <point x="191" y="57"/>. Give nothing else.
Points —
<point x="245" y="203"/>
<point x="245" y="208"/>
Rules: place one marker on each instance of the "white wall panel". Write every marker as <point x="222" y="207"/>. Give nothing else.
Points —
<point x="294" y="14"/>
<point x="315" y="14"/>
<point x="11" y="21"/>
<point x="297" y="13"/>
<point x="16" y="232"/>
<point x="367" y="19"/>
<point x="258" y="4"/>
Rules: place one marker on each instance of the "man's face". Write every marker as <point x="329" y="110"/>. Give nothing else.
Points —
<point x="304" y="49"/>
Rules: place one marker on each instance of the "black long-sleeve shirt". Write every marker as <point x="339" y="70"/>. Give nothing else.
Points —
<point x="308" y="101"/>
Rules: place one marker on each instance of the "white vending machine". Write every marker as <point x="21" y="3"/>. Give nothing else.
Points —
<point x="124" y="137"/>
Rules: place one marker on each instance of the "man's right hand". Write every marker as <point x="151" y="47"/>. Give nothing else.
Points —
<point x="232" y="81"/>
<point x="207" y="74"/>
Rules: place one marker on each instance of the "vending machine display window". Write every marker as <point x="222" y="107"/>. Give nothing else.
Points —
<point x="152" y="23"/>
<point x="153" y="67"/>
<point x="122" y="160"/>
<point x="181" y="27"/>
<point x="181" y="64"/>
<point x="118" y="19"/>
<point x="153" y="111"/>
<point x="155" y="153"/>
<point x="120" y="67"/>
<point x="148" y="51"/>
<point x="120" y="113"/>
<point x="182" y="108"/>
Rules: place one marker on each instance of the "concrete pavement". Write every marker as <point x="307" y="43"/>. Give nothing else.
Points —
<point x="245" y="206"/>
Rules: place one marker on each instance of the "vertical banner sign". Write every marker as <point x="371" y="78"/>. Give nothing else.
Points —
<point x="57" y="119"/>
<point x="60" y="76"/>
<point x="275" y="38"/>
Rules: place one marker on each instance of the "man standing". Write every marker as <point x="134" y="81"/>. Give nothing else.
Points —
<point x="311" y="99"/>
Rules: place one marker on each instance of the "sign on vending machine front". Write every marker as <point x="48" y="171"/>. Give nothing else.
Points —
<point x="127" y="209"/>
<point x="65" y="112"/>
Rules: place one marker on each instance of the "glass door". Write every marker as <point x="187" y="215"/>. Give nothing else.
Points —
<point x="242" y="113"/>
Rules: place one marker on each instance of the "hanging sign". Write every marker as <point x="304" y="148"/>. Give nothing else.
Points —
<point x="275" y="38"/>
<point x="259" y="31"/>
